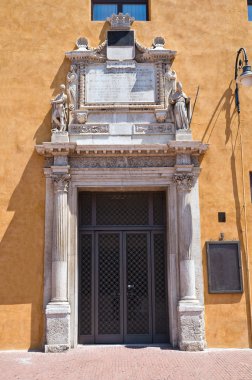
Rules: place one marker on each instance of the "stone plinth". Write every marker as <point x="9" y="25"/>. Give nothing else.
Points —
<point x="58" y="310"/>
<point x="60" y="137"/>
<point x="183" y="135"/>
<point x="191" y="326"/>
<point x="57" y="327"/>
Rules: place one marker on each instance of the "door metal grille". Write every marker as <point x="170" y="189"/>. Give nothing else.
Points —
<point x="160" y="285"/>
<point x="121" y="209"/>
<point x="109" y="313"/>
<point x="122" y="268"/>
<point x="159" y="208"/>
<point x="86" y="285"/>
<point x="137" y="284"/>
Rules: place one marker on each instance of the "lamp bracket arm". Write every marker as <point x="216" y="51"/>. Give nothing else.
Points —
<point x="245" y="58"/>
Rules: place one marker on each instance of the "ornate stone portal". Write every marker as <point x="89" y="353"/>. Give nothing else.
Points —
<point x="122" y="125"/>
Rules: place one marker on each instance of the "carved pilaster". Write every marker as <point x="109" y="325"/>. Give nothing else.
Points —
<point x="58" y="310"/>
<point x="82" y="85"/>
<point x="59" y="254"/>
<point x="184" y="183"/>
<point x="190" y="313"/>
<point x="161" y="84"/>
<point x="183" y="159"/>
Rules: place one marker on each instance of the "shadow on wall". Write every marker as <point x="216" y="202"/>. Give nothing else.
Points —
<point x="232" y="133"/>
<point x="22" y="248"/>
<point x="103" y="34"/>
<point x="59" y="78"/>
<point x="22" y="262"/>
<point x="226" y="104"/>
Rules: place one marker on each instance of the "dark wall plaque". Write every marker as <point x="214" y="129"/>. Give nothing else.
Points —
<point x="224" y="267"/>
<point x="121" y="38"/>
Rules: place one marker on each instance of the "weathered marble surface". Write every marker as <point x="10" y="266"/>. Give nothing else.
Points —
<point x="121" y="85"/>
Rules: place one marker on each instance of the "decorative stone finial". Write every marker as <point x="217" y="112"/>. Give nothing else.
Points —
<point x="120" y="21"/>
<point x="82" y="43"/>
<point x="159" y="43"/>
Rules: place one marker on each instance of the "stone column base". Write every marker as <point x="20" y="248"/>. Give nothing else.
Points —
<point x="58" y="137"/>
<point x="57" y="327"/>
<point x="191" y="326"/>
<point x="183" y="135"/>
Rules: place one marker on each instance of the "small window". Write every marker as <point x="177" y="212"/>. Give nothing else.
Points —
<point x="221" y="217"/>
<point x="101" y="9"/>
<point x="250" y="10"/>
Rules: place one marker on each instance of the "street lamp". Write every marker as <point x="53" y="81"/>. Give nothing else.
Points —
<point x="245" y="77"/>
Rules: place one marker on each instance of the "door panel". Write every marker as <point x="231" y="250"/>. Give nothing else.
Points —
<point x="86" y="288"/>
<point x="137" y="319"/>
<point x="108" y="278"/>
<point x="159" y="290"/>
<point x="123" y="288"/>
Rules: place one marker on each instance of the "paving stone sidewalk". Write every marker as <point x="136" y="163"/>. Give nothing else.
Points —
<point x="127" y="363"/>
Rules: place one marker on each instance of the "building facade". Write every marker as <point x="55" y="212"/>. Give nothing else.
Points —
<point x="126" y="203"/>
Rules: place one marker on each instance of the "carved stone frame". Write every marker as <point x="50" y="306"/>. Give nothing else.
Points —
<point x="159" y="91"/>
<point x="114" y="179"/>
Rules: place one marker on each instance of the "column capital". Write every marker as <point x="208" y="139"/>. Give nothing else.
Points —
<point x="61" y="181"/>
<point x="184" y="181"/>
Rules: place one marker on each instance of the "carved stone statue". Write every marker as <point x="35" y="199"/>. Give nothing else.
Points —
<point x="59" y="111"/>
<point x="181" y="107"/>
<point x="72" y="79"/>
<point x="170" y="82"/>
<point x="170" y="86"/>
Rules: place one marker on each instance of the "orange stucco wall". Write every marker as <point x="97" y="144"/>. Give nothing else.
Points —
<point x="33" y="38"/>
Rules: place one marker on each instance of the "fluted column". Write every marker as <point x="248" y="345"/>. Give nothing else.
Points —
<point x="190" y="312"/>
<point x="59" y="252"/>
<point x="58" y="310"/>
<point x="184" y="184"/>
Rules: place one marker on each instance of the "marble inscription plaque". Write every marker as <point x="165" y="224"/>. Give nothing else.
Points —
<point x="121" y="85"/>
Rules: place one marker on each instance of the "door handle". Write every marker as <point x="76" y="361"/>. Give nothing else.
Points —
<point x="131" y="286"/>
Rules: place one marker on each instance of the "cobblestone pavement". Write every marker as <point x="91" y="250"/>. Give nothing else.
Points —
<point x="127" y="363"/>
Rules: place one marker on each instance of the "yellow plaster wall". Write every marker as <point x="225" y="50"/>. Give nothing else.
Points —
<point x="33" y="38"/>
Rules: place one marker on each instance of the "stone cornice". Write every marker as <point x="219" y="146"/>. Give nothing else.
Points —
<point x="172" y="148"/>
<point x="85" y="53"/>
<point x="143" y="54"/>
<point x="154" y="54"/>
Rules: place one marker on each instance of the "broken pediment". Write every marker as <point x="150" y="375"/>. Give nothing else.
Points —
<point x="120" y="38"/>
